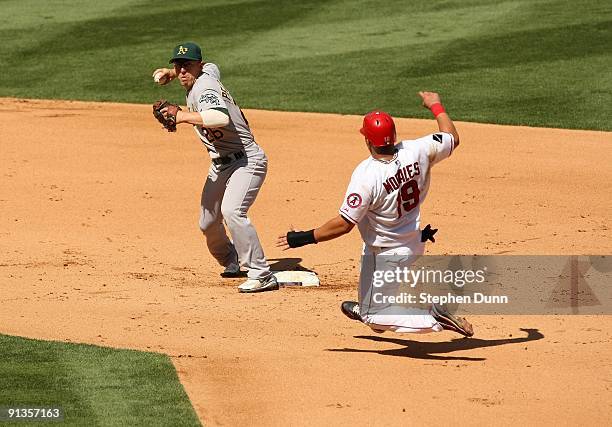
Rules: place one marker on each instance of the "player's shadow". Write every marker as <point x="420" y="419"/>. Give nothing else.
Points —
<point x="431" y="350"/>
<point x="285" y="264"/>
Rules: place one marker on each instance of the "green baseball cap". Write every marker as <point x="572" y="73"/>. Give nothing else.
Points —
<point x="188" y="50"/>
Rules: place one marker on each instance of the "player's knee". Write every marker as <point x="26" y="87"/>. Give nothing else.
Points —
<point x="206" y="222"/>
<point x="233" y="215"/>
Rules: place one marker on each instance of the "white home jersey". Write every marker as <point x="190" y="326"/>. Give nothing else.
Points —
<point x="208" y="93"/>
<point x="384" y="197"/>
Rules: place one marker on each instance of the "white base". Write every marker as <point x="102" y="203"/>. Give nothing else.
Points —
<point x="297" y="278"/>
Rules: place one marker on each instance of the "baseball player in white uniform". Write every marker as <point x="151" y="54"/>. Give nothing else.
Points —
<point x="237" y="171"/>
<point x="383" y="199"/>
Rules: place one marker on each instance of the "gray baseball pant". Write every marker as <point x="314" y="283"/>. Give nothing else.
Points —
<point x="228" y="193"/>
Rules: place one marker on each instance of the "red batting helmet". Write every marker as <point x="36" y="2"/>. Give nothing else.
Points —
<point x="378" y="128"/>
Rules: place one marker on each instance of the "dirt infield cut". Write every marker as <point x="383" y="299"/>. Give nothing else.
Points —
<point x="100" y="244"/>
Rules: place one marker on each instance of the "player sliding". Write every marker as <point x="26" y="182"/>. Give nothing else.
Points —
<point x="384" y="198"/>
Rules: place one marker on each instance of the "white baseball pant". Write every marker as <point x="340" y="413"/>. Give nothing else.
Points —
<point x="392" y="318"/>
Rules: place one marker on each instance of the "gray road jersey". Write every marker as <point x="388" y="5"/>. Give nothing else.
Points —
<point x="207" y="93"/>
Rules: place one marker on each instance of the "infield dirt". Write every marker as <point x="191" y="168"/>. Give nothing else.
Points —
<point x="100" y="244"/>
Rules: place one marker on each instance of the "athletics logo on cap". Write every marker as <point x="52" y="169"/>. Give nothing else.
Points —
<point x="187" y="51"/>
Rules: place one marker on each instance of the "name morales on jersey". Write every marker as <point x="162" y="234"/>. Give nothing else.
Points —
<point x="403" y="174"/>
<point x="209" y="98"/>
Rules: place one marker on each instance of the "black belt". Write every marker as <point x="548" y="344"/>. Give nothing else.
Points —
<point x="228" y="159"/>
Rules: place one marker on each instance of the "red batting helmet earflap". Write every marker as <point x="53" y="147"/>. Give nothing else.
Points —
<point x="378" y="128"/>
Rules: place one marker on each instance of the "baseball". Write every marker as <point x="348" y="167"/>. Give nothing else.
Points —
<point x="159" y="77"/>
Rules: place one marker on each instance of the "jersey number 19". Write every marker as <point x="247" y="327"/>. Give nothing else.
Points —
<point x="407" y="197"/>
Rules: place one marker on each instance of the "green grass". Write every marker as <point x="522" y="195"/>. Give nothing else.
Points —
<point x="93" y="385"/>
<point x="532" y="62"/>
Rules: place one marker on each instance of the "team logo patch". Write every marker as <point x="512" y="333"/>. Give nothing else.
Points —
<point x="353" y="200"/>
<point x="437" y="137"/>
<point x="209" y="98"/>
<point x="183" y="50"/>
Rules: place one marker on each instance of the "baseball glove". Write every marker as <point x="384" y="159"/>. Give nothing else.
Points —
<point x="428" y="234"/>
<point x="166" y="118"/>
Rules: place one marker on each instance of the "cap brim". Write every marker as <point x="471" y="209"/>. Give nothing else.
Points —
<point x="184" y="59"/>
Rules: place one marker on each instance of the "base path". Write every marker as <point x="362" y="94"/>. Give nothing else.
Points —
<point x="99" y="243"/>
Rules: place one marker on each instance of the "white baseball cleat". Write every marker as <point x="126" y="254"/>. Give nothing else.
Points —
<point x="259" y="285"/>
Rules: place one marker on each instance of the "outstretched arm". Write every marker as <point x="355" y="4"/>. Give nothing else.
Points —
<point x="333" y="228"/>
<point x="431" y="101"/>
<point x="211" y="118"/>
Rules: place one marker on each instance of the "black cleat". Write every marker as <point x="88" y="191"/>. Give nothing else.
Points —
<point x="232" y="271"/>
<point x="351" y="310"/>
<point x="450" y="322"/>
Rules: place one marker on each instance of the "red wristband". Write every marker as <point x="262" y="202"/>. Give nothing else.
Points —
<point x="437" y="109"/>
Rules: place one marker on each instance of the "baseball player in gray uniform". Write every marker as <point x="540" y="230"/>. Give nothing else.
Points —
<point x="237" y="171"/>
<point x="383" y="199"/>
